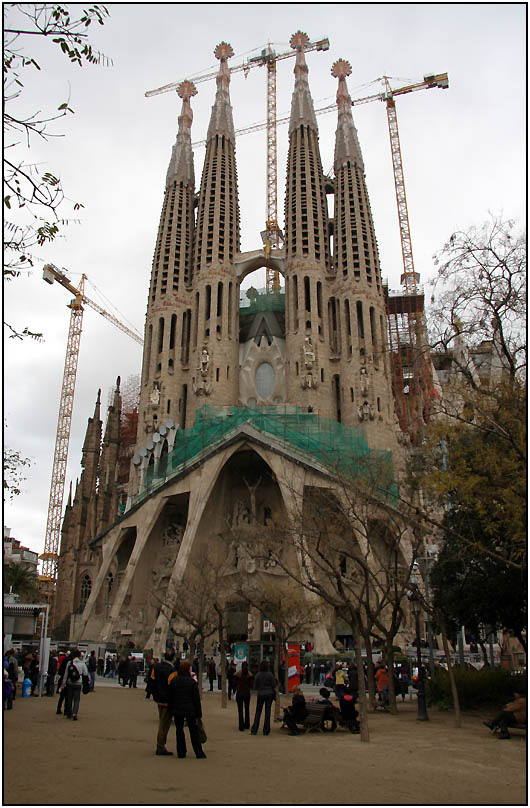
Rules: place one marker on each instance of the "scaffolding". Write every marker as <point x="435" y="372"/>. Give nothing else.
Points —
<point x="412" y="382"/>
<point x="339" y="449"/>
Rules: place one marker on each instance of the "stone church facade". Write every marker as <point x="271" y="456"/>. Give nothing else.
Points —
<point x="236" y="401"/>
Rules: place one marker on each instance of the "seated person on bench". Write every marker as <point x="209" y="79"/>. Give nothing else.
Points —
<point x="348" y="713"/>
<point x="296" y="713"/>
<point x="513" y="713"/>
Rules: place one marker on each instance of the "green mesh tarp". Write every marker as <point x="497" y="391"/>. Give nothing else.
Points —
<point x="339" y="448"/>
<point x="275" y="301"/>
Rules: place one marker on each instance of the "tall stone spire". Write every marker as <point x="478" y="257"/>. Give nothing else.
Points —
<point x="214" y="359"/>
<point x="181" y="163"/>
<point x="168" y="308"/>
<point x="346" y="141"/>
<point x="221" y="121"/>
<point x="307" y="251"/>
<point x="364" y="393"/>
<point x="355" y="247"/>
<point x="302" y="110"/>
<point x="217" y="236"/>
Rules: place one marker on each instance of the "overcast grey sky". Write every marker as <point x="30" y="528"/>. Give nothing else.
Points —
<point x="463" y="153"/>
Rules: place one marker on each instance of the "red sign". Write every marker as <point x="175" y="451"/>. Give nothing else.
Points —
<point x="293" y="654"/>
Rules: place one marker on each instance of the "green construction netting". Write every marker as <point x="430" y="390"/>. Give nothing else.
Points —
<point x="339" y="448"/>
<point x="275" y="301"/>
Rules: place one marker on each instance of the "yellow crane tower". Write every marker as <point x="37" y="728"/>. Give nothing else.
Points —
<point x="272" y="234"/>
<point x="53" y="524"/>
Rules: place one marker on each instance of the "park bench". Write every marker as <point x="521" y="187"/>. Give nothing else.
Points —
<point x="320" y="718"/>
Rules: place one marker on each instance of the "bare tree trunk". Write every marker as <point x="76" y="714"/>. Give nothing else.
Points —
<point x="222" y="661"/>
<point x="454" y="691"/>
<point x="201" y="658"/>
<point x="363" y="711"/>
<point x="369" y="670"/>
<point x="277" y="655"/>
<point x="390" y="668"/>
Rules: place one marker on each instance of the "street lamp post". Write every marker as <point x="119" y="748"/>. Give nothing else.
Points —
<point x="422" y="704"/>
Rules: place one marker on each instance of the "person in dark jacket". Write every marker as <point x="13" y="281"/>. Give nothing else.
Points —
<point x="159" y="689"/>
<point x="185" y="703"/>
<point x="122" y="671"/>
<point x="296" y="713"/>
<point x="265" y="686"/>
<point x="61" y="683"/>
<point x="243" y="683"/>
<point x="132" y="671"/>
<point x="211" y="670"/>
<point x="92" y="666"/>
<point x="347" y="709"/>
<point x="52" y="670"/>
<point x="230" y="673"/>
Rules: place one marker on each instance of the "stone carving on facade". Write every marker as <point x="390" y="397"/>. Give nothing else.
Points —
<point x="154" y="398"/>
<point x="366" y="411"/>
<point x="365" y="380"/>
<point x="172" y="535"/>
<point x="202" y="385"/>
<point x="309" y="376"/>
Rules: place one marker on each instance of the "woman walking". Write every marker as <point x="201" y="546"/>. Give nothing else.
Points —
<point x="185" y="703"/>
<point x="265" y="685"/>
<point x="243" y="683"/>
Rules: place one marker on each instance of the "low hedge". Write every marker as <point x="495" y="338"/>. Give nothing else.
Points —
<point x="489" y="687"/>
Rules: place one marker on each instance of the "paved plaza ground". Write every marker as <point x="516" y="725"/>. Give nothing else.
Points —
<point x="107" y="757"/>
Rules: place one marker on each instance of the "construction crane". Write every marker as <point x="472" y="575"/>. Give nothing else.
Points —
<point x="53" y="524"/>
<point x="272" y="233"/>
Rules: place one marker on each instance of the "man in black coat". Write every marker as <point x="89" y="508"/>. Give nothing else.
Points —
<point x="185" y="704"/>
<point x="159" y="689"/>
<point x="52" y="670"/>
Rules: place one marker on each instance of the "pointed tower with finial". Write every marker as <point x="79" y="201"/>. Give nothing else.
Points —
<point x="75" y="562"/>
<point x="214" y="355"/>
<point x="364" y="389"/>
<point x="308" y="263"/>
<point x="165" y="366"/>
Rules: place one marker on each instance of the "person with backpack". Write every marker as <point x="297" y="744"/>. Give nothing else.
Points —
<point x="75" y="674"/>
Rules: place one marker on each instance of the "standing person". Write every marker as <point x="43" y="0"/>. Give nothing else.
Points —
<point x="34" y="671"/>
<point x="52" y="670"/>
<point x="122" y="671"/>
<point x="340" y="681"/>
<point x="211" y="670"/>
<point x="381" y="678"/>
<point x="100" y="666"/>
<point x="404" y="681"/>
<point x="132" y="669"/>
<point x="12" y="669"/>
<point x="147" y="678"/>
<point x="243" y="683"/>
<point x="74" y="673"/>
<point x="185" y="704"/>
<point x="231" y="672"/>
<point x="61" y="682"/>
<point x="265" y="686"/>
<point x="160" y="673"/>
<point x="92" y="665"/>
<point x="347" y="710"/>
<point x="353" y="680"/>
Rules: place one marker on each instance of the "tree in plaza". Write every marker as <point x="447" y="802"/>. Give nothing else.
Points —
<point x="22" y="578"/>
<point x="191" y="605"/>
<point x="289" y="609"/>
<point x="33" y="199"/>
<point x="352" y="547"/>
<point x="476" y="449"/>
<point x="475" y="453"/>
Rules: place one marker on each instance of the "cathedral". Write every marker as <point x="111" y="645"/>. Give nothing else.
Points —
<point x="241" y="405"/>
